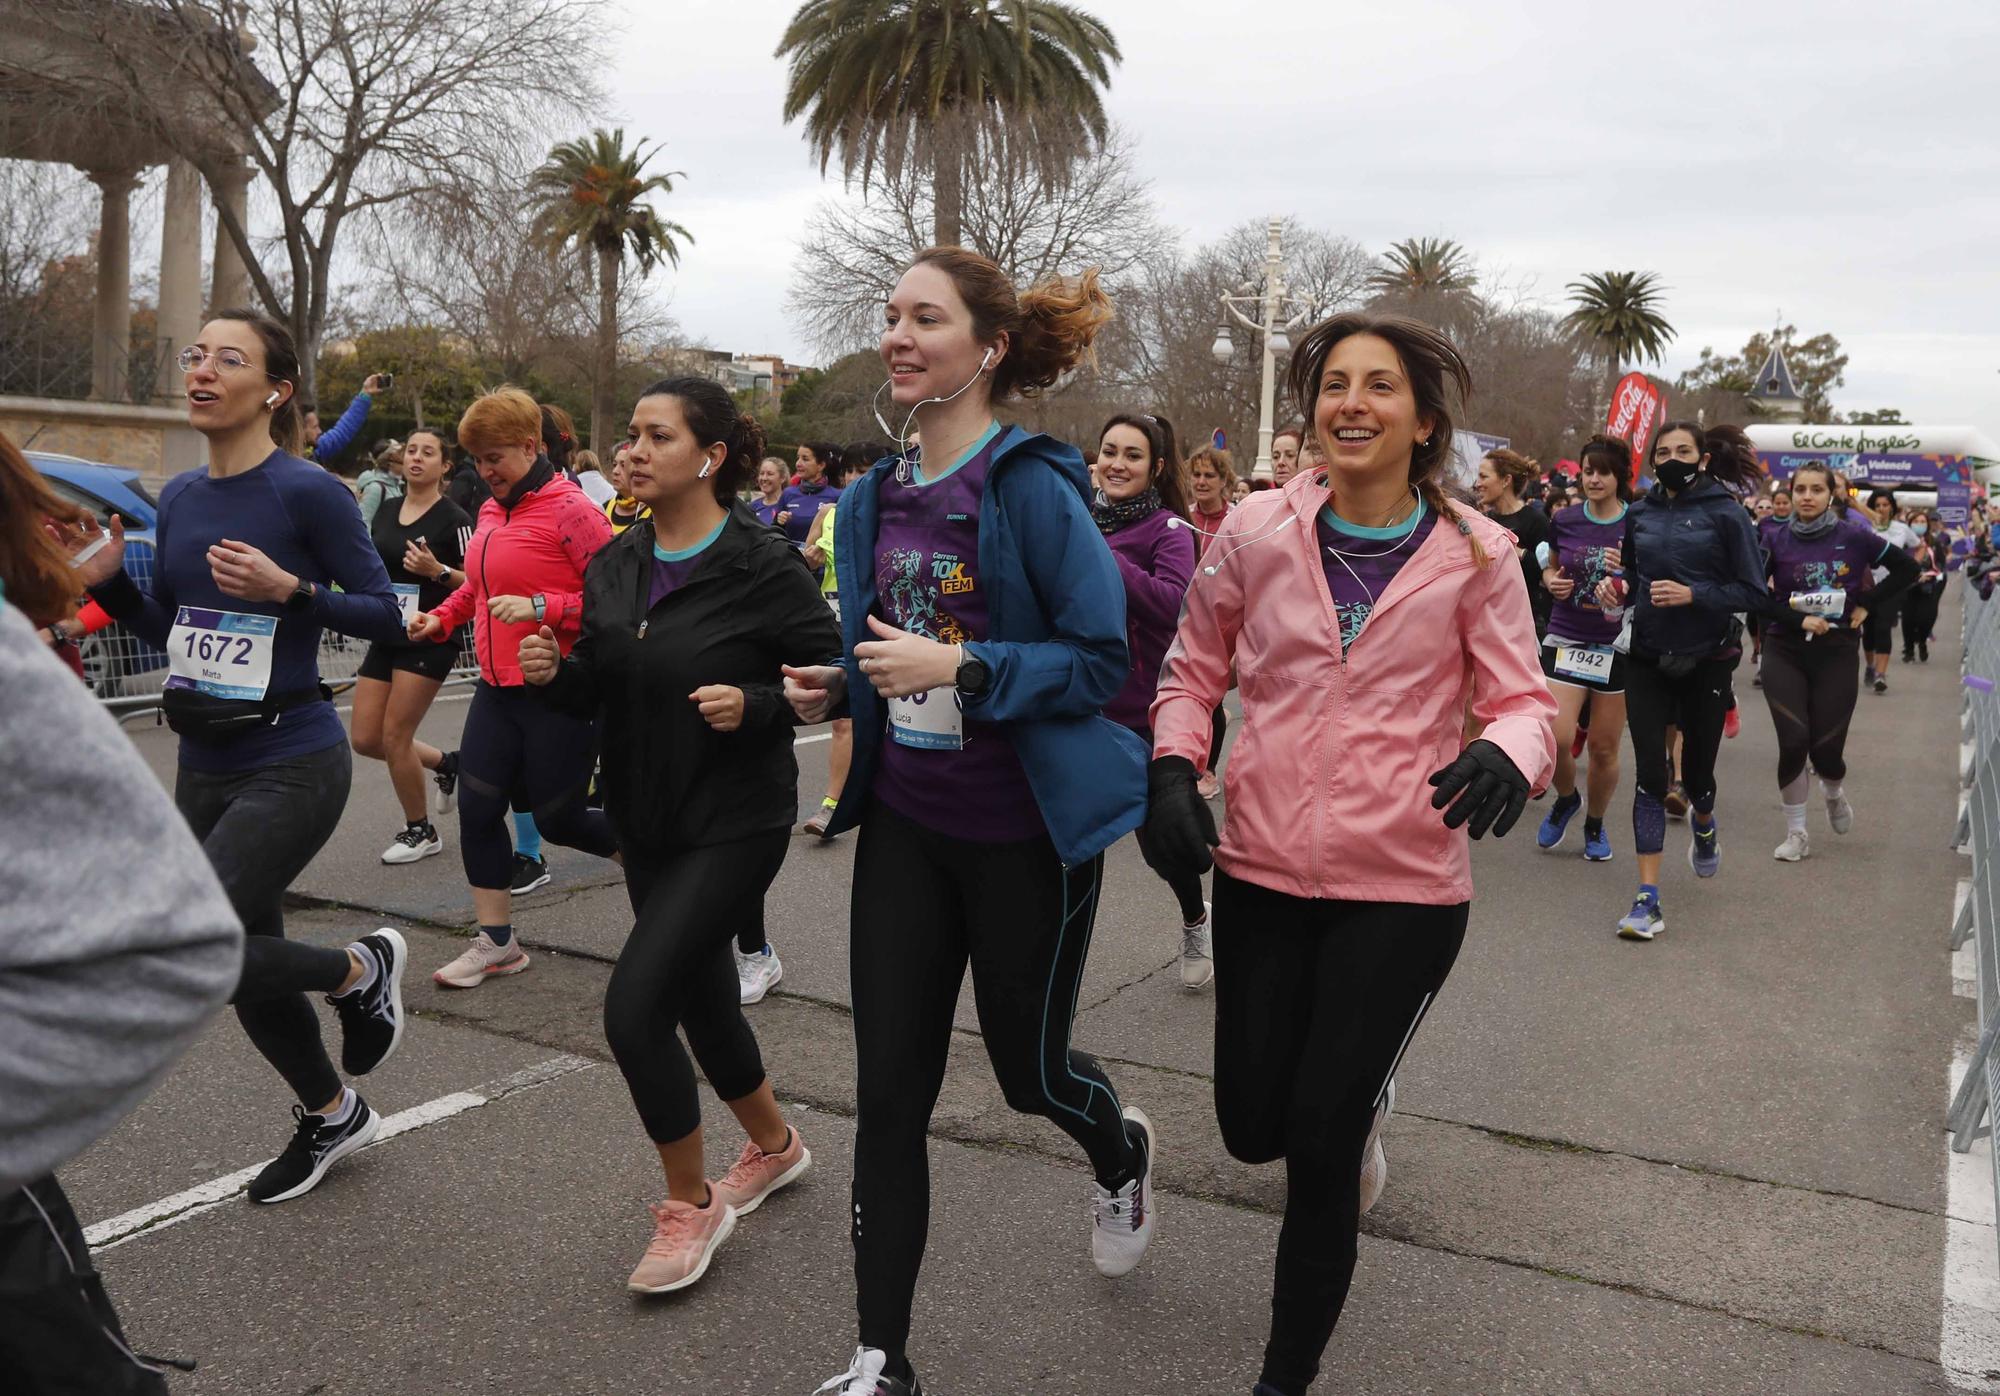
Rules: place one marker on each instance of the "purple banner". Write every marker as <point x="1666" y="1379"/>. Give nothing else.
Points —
<point x="1887" y="468"/>
<point x="1954" y="504"/>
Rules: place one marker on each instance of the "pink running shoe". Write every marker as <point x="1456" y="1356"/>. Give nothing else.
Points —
<point x="684" y="1240"/>
<point x="757" y="1174"/>
<point x="482" y="960"/>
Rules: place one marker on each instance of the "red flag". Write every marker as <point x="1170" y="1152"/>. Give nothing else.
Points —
<point x="1637" y="409"/>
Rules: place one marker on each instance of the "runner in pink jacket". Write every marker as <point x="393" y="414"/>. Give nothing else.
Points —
<point x="1364" y="615"/>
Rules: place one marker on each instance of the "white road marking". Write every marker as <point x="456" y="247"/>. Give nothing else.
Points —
<point x="171" y="1211"/>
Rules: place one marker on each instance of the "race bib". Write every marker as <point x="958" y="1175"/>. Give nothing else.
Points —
<point x="224" y="654"/>
<point x="1584" y="663"/>
<point x="930" y="721"/>
<point x="406" y="599"/>
<point x="1831" y="604"/>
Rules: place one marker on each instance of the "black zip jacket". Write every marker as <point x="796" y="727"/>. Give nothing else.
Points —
<point x="670" y="780"/>
<point x="1702" y="539"/>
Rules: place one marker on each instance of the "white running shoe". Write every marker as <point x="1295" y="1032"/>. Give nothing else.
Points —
<point x="482" y="960"/>
<point x="1839" y="813"/>
<point x="863" y="1377"/>
<point x="416" y="843"/>
<point x="1197" y="953"/>
<point x="758" y="974"/>
<point x="1795" y="847"/>
<point x="1375" y="1163"/>
<point x="1121" y="1222"/>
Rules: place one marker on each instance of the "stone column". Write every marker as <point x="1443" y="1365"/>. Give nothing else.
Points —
<point x="111" y="337"/>
<point x="231" y="286"/>
<point x="180" y="276"/>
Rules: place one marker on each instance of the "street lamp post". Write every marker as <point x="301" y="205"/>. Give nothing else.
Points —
<point x="1273" y="326"/>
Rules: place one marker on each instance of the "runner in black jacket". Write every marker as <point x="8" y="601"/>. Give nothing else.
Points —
<point x="679" y="659"/>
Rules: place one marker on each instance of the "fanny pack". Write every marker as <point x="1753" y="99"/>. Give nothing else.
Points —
<point x="192" y="713"/>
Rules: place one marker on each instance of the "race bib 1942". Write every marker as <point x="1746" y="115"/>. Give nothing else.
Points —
<point x="1585" y="663"/>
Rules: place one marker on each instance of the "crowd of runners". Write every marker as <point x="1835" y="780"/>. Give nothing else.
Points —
<point x="1025" y="652"/>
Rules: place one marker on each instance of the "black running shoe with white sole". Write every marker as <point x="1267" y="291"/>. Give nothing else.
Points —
<point x="316" y="1146"/>
<point x="446" y="776"/>
<point x="371" y="1019"/>
<point x="529" y="873"/>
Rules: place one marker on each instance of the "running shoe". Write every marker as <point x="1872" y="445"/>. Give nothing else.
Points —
<point x="864" y="1377"/>
<point x="1597" y="846"/>
<point x="1556" y="824"/>
<point x="1375" y="1163"/>
<point x="685" y="1238"/>
<point x="371" y="1019"/>
<point x="1795" y="848"/>
<point x="1881" y="683"/>
<point x="446" y="778"/>
<point x="823" y="816"/>
<point x="316" y="1146"/>
<point x="1839" y="813"/>
<point x="1923" y="651"/>
<point x="1197" y="953"/>
<point x="757" y="1174"/>
<point x="1677" y="802"/>
<point x="1121" y="1222"/>
<point x="1909" y="655"/>
<point x="1208" y="785"/>
<point x="482" y="960"/>
<point x="1732" y="723"/>
<point x="416" y="843"/>
<point x="1643" y="921"/>
<point x="529" y="873"/>
<point x="1705" y="851"/>
<point x="758" y="974"/>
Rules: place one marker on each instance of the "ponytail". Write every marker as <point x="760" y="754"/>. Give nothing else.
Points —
<point x="1049" y="328"/>
<point x="713" y="417"/>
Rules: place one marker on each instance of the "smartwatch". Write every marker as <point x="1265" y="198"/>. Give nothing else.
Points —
<point x="541" y="607"/>
<point x="973" y="676"/>
<point x="301" y="598"/>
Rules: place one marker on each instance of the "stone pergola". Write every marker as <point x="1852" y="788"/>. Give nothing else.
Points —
<point x="60" y="102"/>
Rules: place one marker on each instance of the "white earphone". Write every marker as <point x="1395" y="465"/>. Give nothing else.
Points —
<point x="706" y="466"/>
<point x="272" y="400"/>
<point x="903" y="436"/>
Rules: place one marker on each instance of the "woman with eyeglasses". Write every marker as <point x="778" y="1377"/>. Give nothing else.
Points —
<point x="257" y="555"/>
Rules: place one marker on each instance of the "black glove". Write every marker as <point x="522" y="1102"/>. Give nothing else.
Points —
<point x="1179" y="830"/>
<point x="1491" y="790"/>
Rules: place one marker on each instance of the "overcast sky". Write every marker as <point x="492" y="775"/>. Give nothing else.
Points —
<point x="1833" y="162"/>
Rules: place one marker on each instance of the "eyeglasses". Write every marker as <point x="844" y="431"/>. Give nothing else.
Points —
<point x="226" y="360"/>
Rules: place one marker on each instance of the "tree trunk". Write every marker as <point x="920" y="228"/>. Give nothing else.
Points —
<point x="1611" y="377"/>
<point x="948" y="190"/>
<point x="604" y="385"/>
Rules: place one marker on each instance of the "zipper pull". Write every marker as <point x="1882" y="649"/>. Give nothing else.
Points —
<point x="642" y="627"/>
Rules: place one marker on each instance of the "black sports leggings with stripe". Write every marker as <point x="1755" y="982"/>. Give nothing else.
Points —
<point x="1315" y="1004"/>
<point x="926" y="905"/>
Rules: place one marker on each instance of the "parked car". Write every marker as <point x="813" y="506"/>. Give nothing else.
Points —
<point x="116" y="663"/>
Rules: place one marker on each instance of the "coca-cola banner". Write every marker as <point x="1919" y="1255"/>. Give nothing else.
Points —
<point x="1637" y="409"/>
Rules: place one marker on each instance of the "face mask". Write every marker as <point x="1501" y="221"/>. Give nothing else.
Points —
<point x="1921" y="529"/>
<point x="1674" y="473"/>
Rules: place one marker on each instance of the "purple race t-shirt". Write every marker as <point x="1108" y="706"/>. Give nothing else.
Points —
<point x="672" y="568"/>
<point x="1806" y="571"/>
<point x="1361" y="562"/>
<point x="767" y="510"/>
<point x="1577" y="544"/>
<point x="927" y="581"/>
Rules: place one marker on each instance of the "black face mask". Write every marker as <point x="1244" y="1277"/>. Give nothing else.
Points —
<point x="1674" y="473"/>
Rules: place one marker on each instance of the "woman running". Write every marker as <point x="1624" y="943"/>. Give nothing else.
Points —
<point x="523" y="571"/>
<point x="1212" y="488"/>
<point x="1142" y="513"/>
<point x="1878" y="634"/>
<point x="1688" y="563"/>
<point x="623" y="511"/>
<point x="1503" y="474"/>
<point x="1578" y="657"/>
<point x="256" y="555"/>
<point x="1822" y="594"/>
<point x="984" y="618"/>
<point x="421" y="540"/>
<point x="818" y="462"/>
<point x="686" y="621"/>
<point x="1361" y="608"/>
<point x="1932" y="552"/>
<point x="855" y="461"/>
<point x="770" y="496"/>
<point x="1285" y="443"/>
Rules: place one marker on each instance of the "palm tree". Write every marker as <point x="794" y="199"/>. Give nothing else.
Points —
<point x="1420" y="266"/>
<point x="590" y="195"/>
<point x="933" y="82"/>
<point x="1617" y="314"/>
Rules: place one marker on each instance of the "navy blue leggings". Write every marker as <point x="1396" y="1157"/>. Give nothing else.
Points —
<point x="515" y="745"/>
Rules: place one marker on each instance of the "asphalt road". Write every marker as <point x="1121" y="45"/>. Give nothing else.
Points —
<point x="1711" y="1164"/>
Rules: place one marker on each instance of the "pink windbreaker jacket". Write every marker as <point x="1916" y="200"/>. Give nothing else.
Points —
<point x="1328" y="785"/>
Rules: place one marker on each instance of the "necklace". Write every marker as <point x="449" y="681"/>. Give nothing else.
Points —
<point x="1416" y="517"/>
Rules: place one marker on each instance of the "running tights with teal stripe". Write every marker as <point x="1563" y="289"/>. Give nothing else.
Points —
<point x="925" y="905"/>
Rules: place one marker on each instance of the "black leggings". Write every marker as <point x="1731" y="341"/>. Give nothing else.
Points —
<point x="1315" y="1004"/>
<point x="58" y="1331"/>
<point x="1696" y="702"/>
<point x="515" y="745"/>
<point x="1810" y="687"/>
<point x="1878" y="631"/>
<point x="924" y="905"/>
<point x="1920" y="613"/>
<point x="259" y="829"/>
<point x="676" y="971"/>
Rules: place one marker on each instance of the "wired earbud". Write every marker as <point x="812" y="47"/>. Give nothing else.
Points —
<point x="902" y="437"/>
<point x="1283" y="524"/>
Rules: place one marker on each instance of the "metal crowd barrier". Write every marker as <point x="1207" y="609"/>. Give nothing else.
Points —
<point x="1978" y="917"/>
